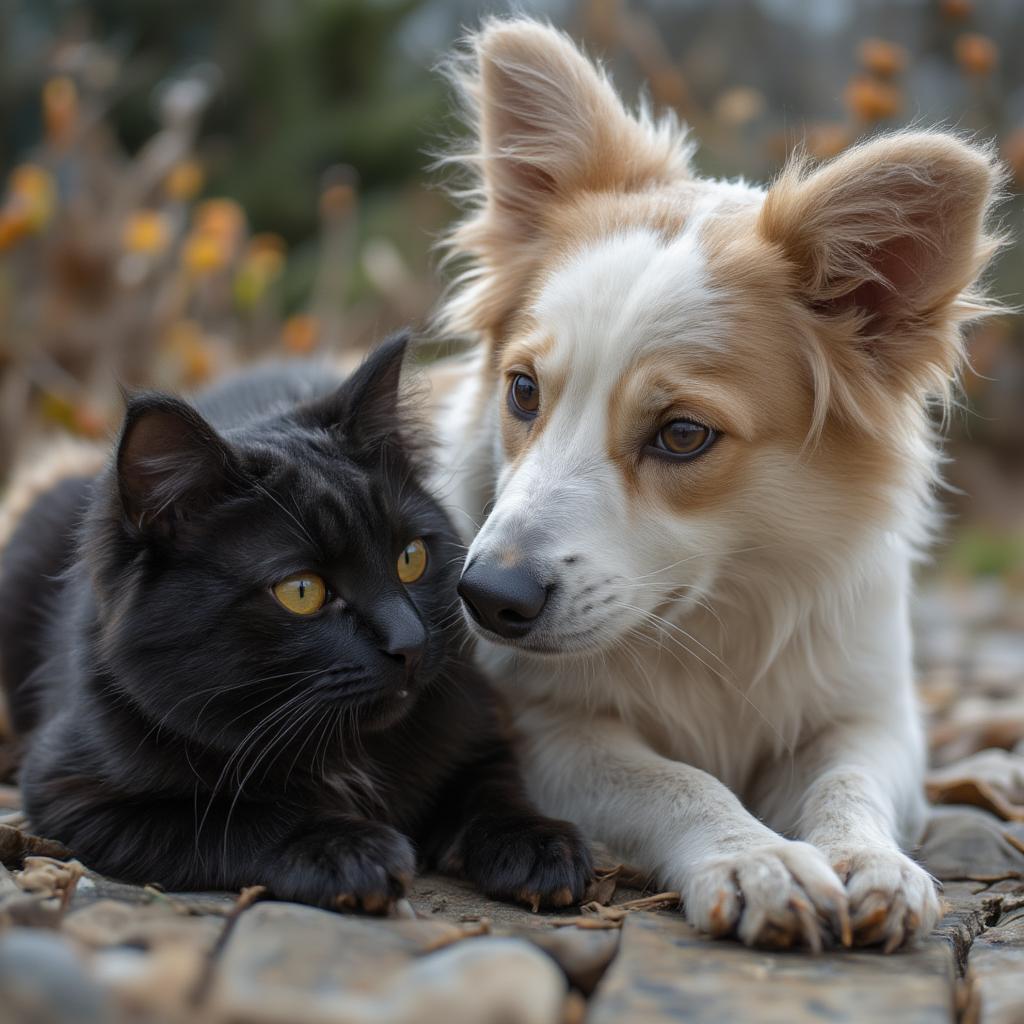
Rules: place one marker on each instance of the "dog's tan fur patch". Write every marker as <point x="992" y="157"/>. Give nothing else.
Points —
<point x="55" y="460"/>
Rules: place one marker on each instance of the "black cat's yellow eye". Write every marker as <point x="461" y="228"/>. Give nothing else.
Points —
<point x="412" y="562"/>
<point x="684" y="438"/>
<point x="301" y="594"/>
<point x="524" y="396"/>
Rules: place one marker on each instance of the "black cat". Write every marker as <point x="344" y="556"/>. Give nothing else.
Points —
<point x="235" y="658"/>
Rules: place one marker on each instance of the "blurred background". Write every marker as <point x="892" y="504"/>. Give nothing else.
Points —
<point x="189" y="184"/>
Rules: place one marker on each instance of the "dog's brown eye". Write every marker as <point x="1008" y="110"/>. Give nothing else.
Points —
<point x="524" y="395"/>
<point x="684" y="438"/>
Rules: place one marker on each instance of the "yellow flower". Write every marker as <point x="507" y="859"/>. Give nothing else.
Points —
<point x="146" y="231"/>
<point x="261" y="265"/>
<point x="204" y="254"/>
<point x="60" y="109"/>
<point x="31" y="189"/>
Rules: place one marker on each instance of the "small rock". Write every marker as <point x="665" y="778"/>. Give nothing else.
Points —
<point x="43" y="979"/>
<point x="487" y="979"/>
<point x="968" y="843"/>
<point x="583" y="954"/>
<point x="666" y="972"/>
<point x="110" y="923"/>
<point x="281" y="956"/>
<point x="997" y="971"/>
<point x="154" y="984"/>
<point x="284" y="963"/>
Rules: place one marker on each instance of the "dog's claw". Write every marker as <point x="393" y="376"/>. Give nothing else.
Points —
<point x="808" y="924"/>
<point x="844" y="931"/>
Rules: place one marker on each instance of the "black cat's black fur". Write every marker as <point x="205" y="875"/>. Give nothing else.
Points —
<point x="183" y="727"/>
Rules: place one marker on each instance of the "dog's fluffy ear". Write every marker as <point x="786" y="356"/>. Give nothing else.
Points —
<point x="547" y="126"/>
<point x="886" y="241"/>
<point x="549" y="122"/>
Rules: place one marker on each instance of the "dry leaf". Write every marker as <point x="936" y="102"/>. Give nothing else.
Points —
<point x="45" y="876"/>
<point x="602" y="888"/>
<point x="990" y="779"/>
<point x="16" y="845"/>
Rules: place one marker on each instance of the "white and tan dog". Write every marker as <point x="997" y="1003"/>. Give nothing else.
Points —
<point x="696" y="434"/>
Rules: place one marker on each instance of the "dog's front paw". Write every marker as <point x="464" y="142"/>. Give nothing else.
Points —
<point x="893" y="901"/>
<point x="344" y="865"/>
<point x="778" y="894"/>
<point x="532" y="860"/>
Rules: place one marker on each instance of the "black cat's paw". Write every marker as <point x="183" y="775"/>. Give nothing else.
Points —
<point x="532" y="860"/>
<point x="344" y="865"/>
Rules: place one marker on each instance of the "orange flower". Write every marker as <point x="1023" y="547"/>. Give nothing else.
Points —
<point x="191" y="350"/>
<point x="976" y="54"/>
<point x="828" y="139"/>
<point x="957" y="10"/>
<point x="60" y="109"/>
<point x="146" y="231"/>
<point x="184" y="181"/>
<point x="1013" y="153"/>
<point x="301" y="333"/>
<point x="222" y="218"/>
<point x="882" y="58"/>
<point x="89" y="421"/>
<point x="871" y="100"/>
<point x="337" y="200"/>
<point x="268" y="249"/>
<point x="740" y="106"/>
<point x="14" y="226"/>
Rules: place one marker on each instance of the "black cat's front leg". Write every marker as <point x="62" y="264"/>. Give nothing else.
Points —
<point x="175" y="842"/>
<point x="489" y="832"/>
<point x="343" y="863"/>
<point x="339" y="862"/>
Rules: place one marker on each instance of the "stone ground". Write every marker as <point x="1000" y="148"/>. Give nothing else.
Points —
<point x="76" y="948"/>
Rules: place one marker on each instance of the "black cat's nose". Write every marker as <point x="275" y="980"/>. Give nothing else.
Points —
<point x="410" y="654"/>
<point x="402" y="634"/>
<point x="505" y="600"/>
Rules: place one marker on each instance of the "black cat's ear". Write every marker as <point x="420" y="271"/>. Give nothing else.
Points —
<point x="367" y="406"/>
<point x="171" y="464"/>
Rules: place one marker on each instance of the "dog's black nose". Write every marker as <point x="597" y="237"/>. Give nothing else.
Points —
<point x="504" y="600"/>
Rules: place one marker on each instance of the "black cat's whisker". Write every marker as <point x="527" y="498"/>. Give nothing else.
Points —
<point x="241" y="751"/>
<point x="216" y="690"/>
<point x="276" y="695"/>
<point x="284" y="732"/>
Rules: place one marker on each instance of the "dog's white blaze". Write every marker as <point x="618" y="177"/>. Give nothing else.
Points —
<point x="617" y="298"/>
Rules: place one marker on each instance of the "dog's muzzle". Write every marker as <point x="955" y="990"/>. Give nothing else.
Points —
<point x="504" y="600"/>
